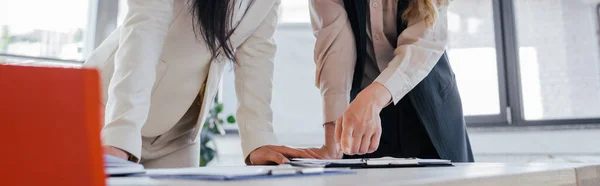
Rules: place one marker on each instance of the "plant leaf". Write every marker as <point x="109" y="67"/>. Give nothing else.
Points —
<point x="231" y="119"/>
<point x="219" y="108"/>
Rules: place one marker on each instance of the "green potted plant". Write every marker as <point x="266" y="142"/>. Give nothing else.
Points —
<point x="212" y="126"/>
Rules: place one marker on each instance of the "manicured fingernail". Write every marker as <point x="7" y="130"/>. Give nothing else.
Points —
<point x="337" y="147"/>
<point x="285" y="160"/>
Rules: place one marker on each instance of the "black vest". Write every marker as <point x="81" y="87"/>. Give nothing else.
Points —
<point x="435" y="98"/>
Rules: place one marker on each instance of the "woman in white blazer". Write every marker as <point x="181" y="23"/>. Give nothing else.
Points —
<point x="161" y="69"/>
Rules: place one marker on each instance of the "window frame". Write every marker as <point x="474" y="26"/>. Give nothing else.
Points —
<point x="513" y="78"/>
<point x="503" y="117"/>
<point x="598" y="22"/>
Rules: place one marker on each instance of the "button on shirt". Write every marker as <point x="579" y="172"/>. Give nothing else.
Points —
<point x="382" y="34"/>
<point x="397" y="62"/>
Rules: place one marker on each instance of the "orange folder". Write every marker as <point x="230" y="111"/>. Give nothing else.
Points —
<point x="50" y="127"/>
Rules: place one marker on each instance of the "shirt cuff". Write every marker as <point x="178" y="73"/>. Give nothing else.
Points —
<point x="334" y="105"/>
<point x="396" y="82"/>
<point x="252" y="140"/>
<point x="128" y="139"/>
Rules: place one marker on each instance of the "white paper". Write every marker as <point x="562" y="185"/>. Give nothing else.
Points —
<point x="392" y="161"/>
<point x="118" y="166"/>
<point x="228" y="171"/>
<point x="434" y="161"/>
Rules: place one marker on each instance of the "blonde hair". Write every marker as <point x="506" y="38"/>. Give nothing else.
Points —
<point x="425" y="9"/>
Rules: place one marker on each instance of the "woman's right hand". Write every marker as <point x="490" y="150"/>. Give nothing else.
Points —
<point x="116" y="152"/>
<point x="358" y="130"/>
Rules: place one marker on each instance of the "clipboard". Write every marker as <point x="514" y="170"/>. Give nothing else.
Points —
<point x="385" y="162"/>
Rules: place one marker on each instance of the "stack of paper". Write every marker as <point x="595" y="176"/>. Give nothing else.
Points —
<point x="240" y="173"/>
<point x="119" y="167"/>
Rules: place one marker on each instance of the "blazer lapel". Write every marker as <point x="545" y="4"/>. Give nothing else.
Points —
<point x="212" y="82"/>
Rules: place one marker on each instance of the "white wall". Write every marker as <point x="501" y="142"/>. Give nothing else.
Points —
<point x="296" y="101"/>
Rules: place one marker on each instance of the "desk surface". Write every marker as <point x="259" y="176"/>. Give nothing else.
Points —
<point x="476" y="174"/>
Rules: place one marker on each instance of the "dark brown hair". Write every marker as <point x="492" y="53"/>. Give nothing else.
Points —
<point x="213" y="22"/>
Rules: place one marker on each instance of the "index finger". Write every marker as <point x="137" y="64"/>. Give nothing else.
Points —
<point x="347" y="139"/>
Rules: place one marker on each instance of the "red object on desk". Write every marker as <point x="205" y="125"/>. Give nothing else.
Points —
<point x="50" y="124"/>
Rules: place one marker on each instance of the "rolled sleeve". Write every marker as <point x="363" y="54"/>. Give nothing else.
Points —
<point x="334" y="55"/>
<point x="125" y="138"/>
<point x="419" y="49"/>
<point x="396" y="83"/>
<point x="255" y="140"/>
<point x="334" y="105"/>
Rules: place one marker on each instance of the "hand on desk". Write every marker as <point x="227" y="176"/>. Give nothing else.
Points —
<point x="271" y="154"/>
<point x="325" y="152"/>
<point x="116" y="152"/>
<point x="331" y="149"/>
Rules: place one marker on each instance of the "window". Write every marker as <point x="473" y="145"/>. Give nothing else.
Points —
<point x="46" y="29"/>
<point x="472" y="52"/>
<point x="559" y="59"/>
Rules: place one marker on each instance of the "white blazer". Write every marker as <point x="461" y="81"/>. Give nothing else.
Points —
<point x="151" y="72"/>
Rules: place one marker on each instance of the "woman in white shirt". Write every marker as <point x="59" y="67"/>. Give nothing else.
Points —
<point x="389" y="58"/>
<point x="162" y="67"/>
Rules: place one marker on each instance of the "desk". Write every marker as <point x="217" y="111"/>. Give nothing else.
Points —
<point x="472" y="174"/>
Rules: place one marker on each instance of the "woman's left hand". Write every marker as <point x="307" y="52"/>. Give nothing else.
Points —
<point x="358" y="130"/>
<point x="272" y="154"/>
<point x="325" y="152"/>
<point x="331" y="149"/>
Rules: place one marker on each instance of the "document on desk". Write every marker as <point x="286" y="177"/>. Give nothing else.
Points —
<point x="114" y="166"/>
<point x="241" y="172"/>
<point x="370" y="162"/>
